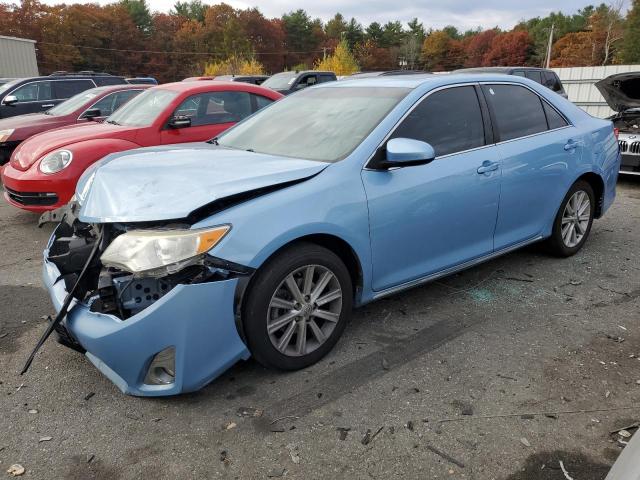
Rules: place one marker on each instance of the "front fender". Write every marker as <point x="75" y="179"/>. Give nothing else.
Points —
<point x="331" y="203"/>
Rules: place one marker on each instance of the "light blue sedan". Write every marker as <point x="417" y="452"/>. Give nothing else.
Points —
<point x="178" y="261"/>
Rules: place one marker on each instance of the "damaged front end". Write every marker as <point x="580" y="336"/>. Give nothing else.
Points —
<point x="152" y="310"/>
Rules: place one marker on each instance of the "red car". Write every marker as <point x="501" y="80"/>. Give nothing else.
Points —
<point x="92" y="104"/>
<point x="44" y="170"/>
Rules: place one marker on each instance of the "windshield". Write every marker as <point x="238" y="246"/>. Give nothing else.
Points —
<point x="143" y="109"/>
<point x="324" y="124"/>
<point x="280" y="81"/>
<point x="8" y="85"/>
<point x="75" y="102"/>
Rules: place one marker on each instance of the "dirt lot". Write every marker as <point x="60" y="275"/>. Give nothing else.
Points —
<point x="496" y="373"/>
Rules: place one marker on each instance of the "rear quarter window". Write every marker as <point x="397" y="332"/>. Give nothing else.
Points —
<point x="518" y="111"/>
<point x="534" y="75"/>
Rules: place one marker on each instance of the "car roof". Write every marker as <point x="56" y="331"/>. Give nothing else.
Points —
<point x="124" y="86"/>
<point x="426" y="79"/>
<point x="211" y="86"/>
<point x="496" y="69"/>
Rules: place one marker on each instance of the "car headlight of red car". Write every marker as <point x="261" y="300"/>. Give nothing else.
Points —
<point x="55" y="161"/>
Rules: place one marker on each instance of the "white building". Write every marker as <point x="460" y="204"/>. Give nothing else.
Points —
<point x="17" y="57"/>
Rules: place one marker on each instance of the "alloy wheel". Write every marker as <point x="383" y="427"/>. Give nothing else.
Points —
<point x="304" y="310"/>
<point x="576" y="218"/>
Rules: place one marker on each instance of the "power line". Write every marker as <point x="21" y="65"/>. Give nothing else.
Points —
<point x="168" y="52"/>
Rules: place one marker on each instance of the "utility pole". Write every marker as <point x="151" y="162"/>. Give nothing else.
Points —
<point x="548" y="55"/>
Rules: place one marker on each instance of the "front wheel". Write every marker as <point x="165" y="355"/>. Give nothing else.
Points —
<point x="573" y="221"/>
<point x="297" y="307"/>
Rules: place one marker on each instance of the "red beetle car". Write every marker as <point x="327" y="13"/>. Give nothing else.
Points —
<point x="44" y="170"/>
<point x="93" y="104"/>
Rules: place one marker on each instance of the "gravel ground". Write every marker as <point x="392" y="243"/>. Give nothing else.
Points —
<point x="499" y="372"/>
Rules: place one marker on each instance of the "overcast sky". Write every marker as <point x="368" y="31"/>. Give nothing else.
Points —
<point x="464" y="14"/>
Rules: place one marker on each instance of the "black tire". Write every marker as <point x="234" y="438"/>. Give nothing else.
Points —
<point x="555" y="243"/>
<point x="256" y="309"/>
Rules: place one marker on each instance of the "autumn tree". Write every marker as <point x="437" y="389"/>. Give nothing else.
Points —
<point x="478" y="46"/>
<point x="435" y="50"/>
<point x="509" y="48"/>
<point x="341" y="62"/>
<point x="234" y="66"/>
<point x="192" y="10"/>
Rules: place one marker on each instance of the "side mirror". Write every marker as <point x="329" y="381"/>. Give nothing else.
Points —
<point x="407" y="152"/>
<point x="179" y="121"/>
<point x="10" y="100"/>
<point x="92" y="114"/>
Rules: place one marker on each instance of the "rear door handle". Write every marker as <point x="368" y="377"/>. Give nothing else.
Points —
<point x="571" y="145"/>
<point x="488" y="166"/>
<point x="48" y="105"/>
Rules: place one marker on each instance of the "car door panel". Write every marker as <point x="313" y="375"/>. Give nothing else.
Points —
<point x="537" y="147"/>
<point x="534" y="171"/>
<point x="428" y="218"/>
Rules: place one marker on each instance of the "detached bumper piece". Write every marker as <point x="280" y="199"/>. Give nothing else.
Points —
<point x="40" y="199"/>
<point x="150" y="336"/>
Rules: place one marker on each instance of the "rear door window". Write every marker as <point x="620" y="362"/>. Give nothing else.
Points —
<point x="554" y="119"/>
<point x="518" y="111"/>
<point x="534" y="75"/>
<point x="450" y="120"/>
<point x="69" y="88"/>
<point x="324" y="77"/>
<point x="261" y="101"/>
<point x="519" y="73"/>
<point x="553" y="82"/>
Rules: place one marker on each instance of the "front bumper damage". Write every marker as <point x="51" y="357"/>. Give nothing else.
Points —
<point x="194" y="321"/>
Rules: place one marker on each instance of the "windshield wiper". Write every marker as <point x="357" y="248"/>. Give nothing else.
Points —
<point x="213" y="141"/>
<point x="112" y="122"/>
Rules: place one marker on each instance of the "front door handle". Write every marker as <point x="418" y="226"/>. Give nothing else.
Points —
<point x="488" y="166"/>
<point x="48" y="105"/>
<point x="571" y="145"/>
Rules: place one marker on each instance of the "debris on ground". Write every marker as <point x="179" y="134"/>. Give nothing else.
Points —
<point x="276" y="472"/>
<point x="45" y="439"/>
<point x="385" y="364"/>
<point x="343" y="432"/>
<point x="525" y="442"/>
<point x="409" y="425"/>
<point x="249" y="412"/>
<point x="2" y="335"/>
<point x="90" y="458"/>
<point x="293" y="453"/>
<point x="89" y="395"/>
<point x="519" y="279"/>
<point x="16" y="470"/>
<point x="615" y="338"/>
<point x="564" y="471"/>
<point x="230" y="425"/>
<point x="445" y="455"/>
<point x="33" y="411"/>
<point x="224" y="458"/>
<point x="368" y="436"/>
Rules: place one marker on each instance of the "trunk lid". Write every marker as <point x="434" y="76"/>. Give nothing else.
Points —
<point x="621" y="91"/>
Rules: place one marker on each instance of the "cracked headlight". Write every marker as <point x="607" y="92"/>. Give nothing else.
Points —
<point x="139" y="251"/>
<point x="5" y="134"/>
<point x="55" y="161"/>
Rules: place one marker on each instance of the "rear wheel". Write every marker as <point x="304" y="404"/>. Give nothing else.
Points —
<point x="573" y="221"/>
<point x="297" y="307"/>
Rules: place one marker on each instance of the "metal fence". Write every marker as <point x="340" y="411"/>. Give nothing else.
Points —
<point x="579" y="83"/>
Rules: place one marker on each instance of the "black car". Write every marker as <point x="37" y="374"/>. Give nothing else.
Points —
<point x="252" y="79"/>
<point x="37" y="94"/>
<point x="289" y="82"/>
<point x="545" y="77"/>
<point x="622" y="93"/>
<point x="142" y="80"/>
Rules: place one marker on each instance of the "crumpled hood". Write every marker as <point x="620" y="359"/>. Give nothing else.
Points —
<point x="30" y="124"/>
<point x="166" y="183"/>
<point x="621" y="91"/>
<point x="34" y="148"/>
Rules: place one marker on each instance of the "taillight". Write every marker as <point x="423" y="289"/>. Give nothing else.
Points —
<point x="616" y="132"/>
